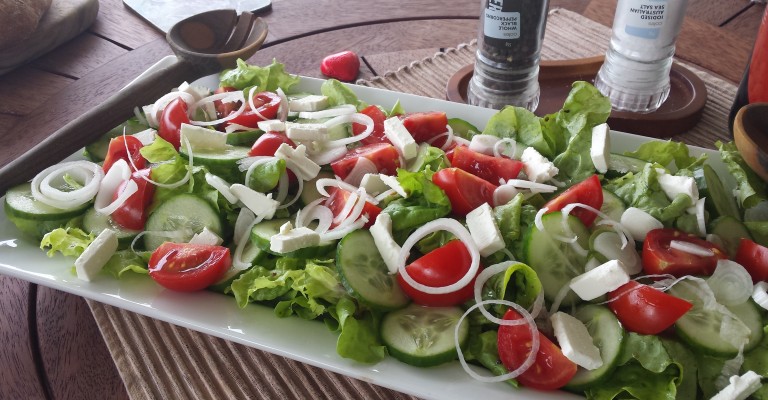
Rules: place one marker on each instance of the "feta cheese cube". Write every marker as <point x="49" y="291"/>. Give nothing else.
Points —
<point x="601" y="147"/>
<point x="203" y="138"/>
<point x="96" y="255"/>
<point x="740" y="387"/>
<point x="600" y="280"/>
<point x="146" y="137"/>
<point x="381" y="231"/>
<point x="308" y="103"/>
<point x="271" y="125"/>
<point x="291" y="239"/>
<point x="484" y="231"/>
<point x="673" y="185"/>
<point x="639" y="223"/>
<point x="575" y="341"/>
<point x="207" y="237"/>
<point x="297" y="160"/>
<point x="392" y="182"/>
<point x="373" y="184"/>
<point x="307" y="132"/>
<point x="399" y="136"/>
<point x="537" y="168"/>
<point x="259" y="203"/>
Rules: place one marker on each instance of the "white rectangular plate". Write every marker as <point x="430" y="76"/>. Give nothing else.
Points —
<point x="305" y="341"/>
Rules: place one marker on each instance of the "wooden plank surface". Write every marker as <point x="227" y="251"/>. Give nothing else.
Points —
<point x="80" y="56"/>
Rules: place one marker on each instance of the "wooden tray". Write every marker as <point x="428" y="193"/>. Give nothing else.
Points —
<point x="678" y="114"/>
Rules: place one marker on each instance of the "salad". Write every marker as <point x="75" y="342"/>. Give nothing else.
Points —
<point x="524" y="247"/>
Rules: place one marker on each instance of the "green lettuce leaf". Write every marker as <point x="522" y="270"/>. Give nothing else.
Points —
<point x="397" y="109"/>
<point x="267" y="78"/>
<point x="642" y="190"/>
<point x="425" y="202"/>
<point x="575" y="163"/>
<point x="584" y="108"/>
<point x="358" y="332"/>
<point x="338" y="94"/>
<point x="266" y="175"/>
<point x="67" y="241"/>
<point x="429" y="157"/>
<point x="483" y="348"/>
<point x="752" y="189"/>
<point x="523" y="126"/>
<point x="519" y="284"/>
<point x="507" y="218"/>
<point x="663" y="153"/>
<point x="127" y="261"/>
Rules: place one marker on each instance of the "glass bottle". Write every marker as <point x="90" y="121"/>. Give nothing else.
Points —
<point x="508" y="52"/>
<point x="635" y="74"/>
<point x="754" y="83"/>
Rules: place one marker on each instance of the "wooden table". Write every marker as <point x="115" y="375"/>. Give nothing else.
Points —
<point x="52" y="346"/>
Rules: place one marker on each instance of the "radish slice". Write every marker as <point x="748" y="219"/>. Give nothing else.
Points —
<point x="362" y="166"/>
<point x="226" y="97"/>
<point x="344" y="109"/>
<point x="731" y="283"/>
<point x="529" y="360"/>
<point x="222" y="186"/>
<point x="89" y="173"/>
<point x="458" y="230"/>
<point x="760" y="294"/>
<point x="691" y="248"/>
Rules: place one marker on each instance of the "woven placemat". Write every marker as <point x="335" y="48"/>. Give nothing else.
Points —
<point x="157" y="360"/>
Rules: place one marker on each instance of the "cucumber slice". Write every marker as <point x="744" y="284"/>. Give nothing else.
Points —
<point x="263" y="232"/>
<point x="310" y="193"/>
<point x="20" y="203"/>
<point x="221" y="163"/>
<point x="701" y="328"/>
<point x="94" y="223"/>
<point x="462" y="128"/>
<point x="608" y="335"/>
<point x="335" y="132"/>
<point x="613" y="205"/>
<point x="623" y="164"/>
<point x="423" y="336"/>
<point x="365" y="275"/>
<point x="183" y="215"/>
<point x="730" y="230"/>
<point x="556" y="262"/>
<point x="244" y="138"/>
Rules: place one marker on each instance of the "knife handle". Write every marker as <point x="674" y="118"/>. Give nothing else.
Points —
<point x="92" y="124"/>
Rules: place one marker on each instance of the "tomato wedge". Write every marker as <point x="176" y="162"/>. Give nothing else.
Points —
<point x="551" y="370"/>
<point x="588" y="191"/>
<point x="465" y="191"/>
<point x="424" y="126"/>
<point x="442" y="266"/>
<point x="266" y="103"/>
<point x="173" y="115"/>
<point x="378" y="117"/>
<point x="754" y="258"/>
<point x="659" y="258"/>
<point x="267" y="144"/>
<point x="188" y="267"/>
<point x="383" y="155"/>
<point x="224" y="109"/>
<point x="336" y="203"/>
<point x="133" y="213"/>
<point x="644" y="309"/>
<point x="490" y="168"/>
<point x="124" y="148"/>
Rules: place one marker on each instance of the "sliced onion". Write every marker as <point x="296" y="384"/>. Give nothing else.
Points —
<point x="362" y="166"/>
<point x="448" y="134"/>
<point x="254" y="109"/>
<point x="356" y="118"/>
<point x="357" y="210"/>
<point x="116" y="175"/>
<point x="533" y="186"/>
<point x="130" y="188"/>
<point x="760" y="294"/>
<point x="529" y="360"/>
<point x="242" y="241"/>
<point x="691" y="248"/>
<point x="282" y="110"/>
<point x="236" y="127"/>
<point x="510" y="143"/>
<point x="700" y="217"/>
<point x="244" y="163"/>
<point x="228" y="97"/>
<point x="244" y="219"/>
<point x="347" y="208"/>
<point x="559" y="297"/>
<point x="484" y="144"/>
<point x="442" y="224"/>
<point x="344" y="109"/>
<point x="299" y="189"/>
<point x="322" y="183"/>
<point x="89" y="172"/>
<point x="315" y="211"/>
<point x="480" y="281"/>
<point x="731" y="283"/>
<point x="222" y="186"/>
<point x="154" y="114"/>
<point x="503" y="194"/>
<point x="540" y="226"/>
<point x="180" y="235"/>
<point x="140" y="116"/>
<point x="338" y="233"/>
<point x="460" y="141"/>
<point x="282" y="187"/>
<point x="383" y="195"/>
<point x="327" y="155"/>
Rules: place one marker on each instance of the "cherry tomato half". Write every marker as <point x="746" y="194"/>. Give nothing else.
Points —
<point x="132" y="214"/>
<point x="266" y="103"/>
<point x="588" y="191"/>
<point x="188" y="267"/>
<point x="659" y="258"/>
<point x="224" y="109"/>
<point x="383" y="155"/>
<point x="174" y="114"/>
<point x="551" y="370"/>
<point x="442" y="266"/>
<point x="123" y="147"/>
<point x="754" y="258"/>
<point x="644" y="309"/>
<point x="465" y="191"/>
<point x="336" y="203"/>
<point x="267" y="144"/>
<point x="424" y="126"/>
<point x="487" y="167"/>
<point x="378" y="117"/>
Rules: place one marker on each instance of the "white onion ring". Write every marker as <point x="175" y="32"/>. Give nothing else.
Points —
<point x="158" y="106"/>
<point x="357" y="210"/>
<point x="237" y="96"/>
<point x="282" y="187"/>
<point x="503" y="194"/>
<point x="130" y="188"/>
<point x="252" y="167"/>
<point x="344" y="109"/>
<point x="327" y="155"/>
<point x="322" y="183"/>
<point x="236" y="127"/>
<point x="244" y="218"/>
<point x="282" y="110"/>
<point x="116" y="175"/>
<point x="300" y="189"/>
<point x="529" y="360"/>
<point x="691" y="248"/>
<point x="252" y="105"/>
<point x="441" y="224"/>
<point x="460" y="141"/>
<point x="498" y="152"/>
<point x="347" y="208"/>
<point x="242" y="241"/>
<point x="448" y="134"/>
<point x="362" y="166"/>
<point x="731" y="283"/>
<point x="353" y="118"/>
<point x="480" y="281"/>
<point x="533" y="186"/>
<point x="315" y="211"/>
<point x="335" y="234"/>
<point x="760" y="294"/>
<point x="222" y="186"/>
<point x="67" y="200"/>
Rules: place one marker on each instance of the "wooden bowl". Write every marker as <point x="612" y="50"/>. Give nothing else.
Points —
<point x="750" y="133"/>
<point x="681" y="112"/>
